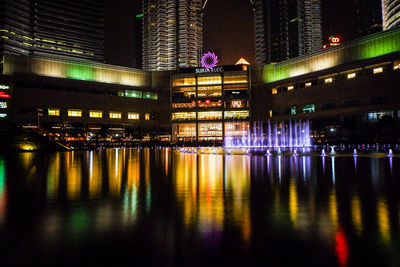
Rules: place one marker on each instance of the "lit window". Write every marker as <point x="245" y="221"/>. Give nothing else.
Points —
<point x="209" y="115"/>
<point x="185" y="130"/>
<point x="3" y="105"/>
<point x="53" y="112"/>
<point x="95" y="114"/>
<point x="149" y="95"/>
<point x="351" y="75"/>
<point x="240" y="114"/>
<point x="147" y="116"/>
<point x="209" y="80"/>
<point x="133" y="116"/>
<point x="309" y="84"/>
<point x="293" y="110"/>
<point x="209" y="91"/>
<point x="74" y="113"/>
<point x="235" y="79"/>
<point x="309" y="108"/>
<point x="329" y="80"/>
<point x="115" y="115"/>
<point x="183" y="116"/>
<point x="3" y="115"/>
<point x="378" y="70"/>
<point x="274" y="91"/>
<point x="183" y="81"/>
<point x="271" y="113"/>
<point x="209" y="130"/>
<point x="290" y="88"/>
<point x="396" y="65"/>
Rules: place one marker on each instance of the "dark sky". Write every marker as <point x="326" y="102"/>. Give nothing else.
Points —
<point x="228" y="25"/>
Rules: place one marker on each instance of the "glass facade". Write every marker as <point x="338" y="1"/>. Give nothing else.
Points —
<point x="210" y="115"/>
<point x="184" y="116"/>
<point x="236" y="114"/>
<point x="236" y="128"/>
<point x="209" y="91"/>
<point x="210" y="131"/>
<point x="227" y="90"/>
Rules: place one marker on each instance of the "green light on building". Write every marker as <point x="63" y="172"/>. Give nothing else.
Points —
<point x="80" y="72"/>
<point x="368" y="47"/>
<point x="139" y="16"/>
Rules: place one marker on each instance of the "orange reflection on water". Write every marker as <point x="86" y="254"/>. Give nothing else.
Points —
<point x="383" y="219"/>
<point x="356" y="214"/>
<point x="237" y="188"/>
<point x="95" y="174"/>
<point x="132" y="186"/>
<point x="293" y="202"/>
<point x="115" y="166"/>
<point x="73" y="175"/>
<point x="210" y="188"/>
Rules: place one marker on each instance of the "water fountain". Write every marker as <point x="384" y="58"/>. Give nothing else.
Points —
<point x="355" y="152"/>
<point x="285" y="135"/>
<point x="390" y="154"/>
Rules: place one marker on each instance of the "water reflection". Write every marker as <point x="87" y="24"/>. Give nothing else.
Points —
<point x="230" y="202"/>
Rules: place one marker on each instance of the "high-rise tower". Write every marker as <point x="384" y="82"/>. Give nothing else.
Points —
<point x="390" y="14"/>
<point x="286" y="29"/>
<point x="368" y="16"/>
<point x="62" y="29"/>
<point x="172" y="34"/>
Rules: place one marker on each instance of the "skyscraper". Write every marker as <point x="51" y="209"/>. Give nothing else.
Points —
<point x="286" y="29"/>
<point x="368" y="16"/>
<point x="172" y="34"/>
<point x="63" y="29"/>
<point x="390" y="14"/>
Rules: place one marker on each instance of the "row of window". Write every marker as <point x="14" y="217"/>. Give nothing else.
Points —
<point x="209" y="80"/>
<point x="379" y="100"/>
<point x="77" y="113"/>
<point x="210" y="115"/>
<point x="211" y="104"/>
<point x="335" y="77"/>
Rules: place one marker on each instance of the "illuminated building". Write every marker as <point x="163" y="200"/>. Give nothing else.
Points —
<point x="52" y="28"/>
<point x="172" y="34"/>
<point x="391" y="14"/>
<point x="351" y="85"/>
<point x="286" y="29"/>
<point x="83" y="97"/>
<point x="209" y="104"/>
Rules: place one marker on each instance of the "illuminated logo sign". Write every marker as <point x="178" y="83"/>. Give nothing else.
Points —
<point x="4" y="87"/>
<point x="335" y="40"/>
<point x="3" y="115"/>
<point x="209" y="60"/>
<point x="213" y="70"/>
<point x="3" y="105"/>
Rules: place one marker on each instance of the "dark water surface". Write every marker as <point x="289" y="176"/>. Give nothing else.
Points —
<point x="161" y="208"/>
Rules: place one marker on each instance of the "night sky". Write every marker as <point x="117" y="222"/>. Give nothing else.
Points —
<point x="228" y="26"/>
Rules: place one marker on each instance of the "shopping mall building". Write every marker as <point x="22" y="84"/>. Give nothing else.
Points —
<point x="347" y="92"/>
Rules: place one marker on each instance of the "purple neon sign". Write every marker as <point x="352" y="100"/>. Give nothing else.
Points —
<point x="209" y="60"/>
